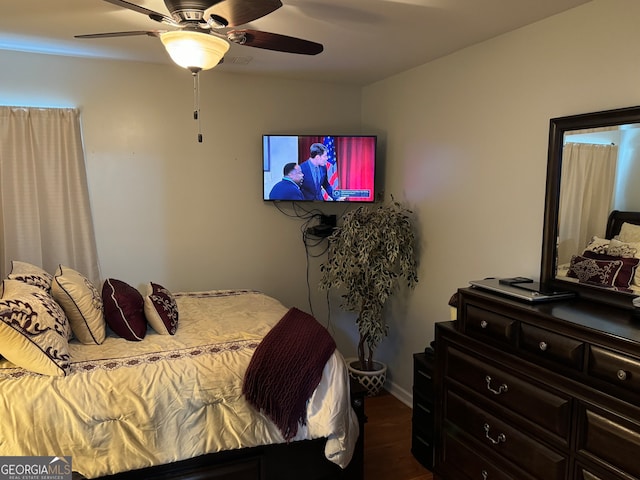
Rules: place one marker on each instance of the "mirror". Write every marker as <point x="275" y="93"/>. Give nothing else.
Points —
<point x="611" y="141"/>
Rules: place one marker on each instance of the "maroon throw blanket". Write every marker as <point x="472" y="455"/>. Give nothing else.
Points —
<point x="286" y="368"/>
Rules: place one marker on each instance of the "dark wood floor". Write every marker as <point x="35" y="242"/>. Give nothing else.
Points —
<point x="387" y="451"/>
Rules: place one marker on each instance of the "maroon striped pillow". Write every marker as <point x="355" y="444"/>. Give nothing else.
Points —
<point x="124" y="310"/>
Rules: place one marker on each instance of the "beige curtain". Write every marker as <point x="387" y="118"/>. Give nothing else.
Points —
<point x="45" y="216"/>
<point x="588" y="183"/>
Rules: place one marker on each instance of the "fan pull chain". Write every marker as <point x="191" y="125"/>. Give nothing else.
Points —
<point x="196" y="101"/>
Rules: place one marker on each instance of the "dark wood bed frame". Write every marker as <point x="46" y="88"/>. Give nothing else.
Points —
<point x="617" y="218"/>
<point x="303" y="460"/>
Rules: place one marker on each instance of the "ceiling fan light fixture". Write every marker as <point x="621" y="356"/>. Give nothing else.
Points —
<point x="194" y="50"/>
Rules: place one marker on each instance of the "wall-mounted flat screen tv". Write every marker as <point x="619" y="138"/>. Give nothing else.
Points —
<point x="319" y="168"/>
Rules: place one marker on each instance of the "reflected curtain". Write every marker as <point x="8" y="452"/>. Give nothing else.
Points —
<point x="588" y="182"/>
<point x="45" y="215"/>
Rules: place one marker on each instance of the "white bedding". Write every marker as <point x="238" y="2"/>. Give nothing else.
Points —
<point x="128" y="405"/>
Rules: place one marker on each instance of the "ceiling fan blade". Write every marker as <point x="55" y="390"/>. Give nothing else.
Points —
<point x="153" y="15"/>
<point x="239" y="12"/>
<point x="151" y="33"/>
<point x="274" y="41"/>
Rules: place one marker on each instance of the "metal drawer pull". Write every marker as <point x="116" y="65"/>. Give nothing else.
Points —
<point x="543" y="346"/>
<point x="621" y="374"/>
<point x="501" y="438"/>
<point x="501" y="389"/>
<point x="424" y="374"/>
<point x="484" y="324"/>
<point x="485" y="475"/>
<point x="425" y="409"/>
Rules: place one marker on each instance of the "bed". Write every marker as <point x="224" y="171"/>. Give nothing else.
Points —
<point x="175" y="405"/>
<point x="610" y="262"/>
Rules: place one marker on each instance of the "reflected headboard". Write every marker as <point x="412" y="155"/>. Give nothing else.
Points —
<point x="617" y="218"/>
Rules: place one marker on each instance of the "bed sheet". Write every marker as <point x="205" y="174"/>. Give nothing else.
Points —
<point x="128" y="405"/>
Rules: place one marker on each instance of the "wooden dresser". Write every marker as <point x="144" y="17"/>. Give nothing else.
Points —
<point x="545" y="392"/>
<point x="422" y="424"/>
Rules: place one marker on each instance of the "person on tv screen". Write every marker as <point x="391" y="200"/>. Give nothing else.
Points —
<point x="289" y="187"/>
<point x="315" y="172"/>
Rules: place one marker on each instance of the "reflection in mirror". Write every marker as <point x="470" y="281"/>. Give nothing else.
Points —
<point x="599" y="168"/>
<point x="593" y="170"/>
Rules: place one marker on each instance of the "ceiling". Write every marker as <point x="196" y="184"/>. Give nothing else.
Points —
<point x="364" y="40"/>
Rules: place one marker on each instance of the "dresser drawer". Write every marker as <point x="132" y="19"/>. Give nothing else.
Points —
<point x="610" y="440"/>
<point x="485" y="324"/>
<point x="464" y="460"/>
<point x="505" y="440"/>
<point x="422" y="380"/>
<point x="583" y="473"/>
<point x="552" y="346"/>
<point x="422" y="449"/>
<point x="615" y="368"/>
<point x="539" y="405"/>
<point x="422" y="412"/>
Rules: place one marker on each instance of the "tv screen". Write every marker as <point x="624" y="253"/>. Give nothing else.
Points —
<point x="329" y="168"/>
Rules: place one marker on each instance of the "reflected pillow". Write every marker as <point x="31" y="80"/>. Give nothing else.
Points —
<point x="629" y="233"/>
<point x="124" y="309"/>
<point x="82" y="303"/>
<point x="596" y="272"/>
<point x="623" y="249"/>
<point x="598" y="245"/>
<point x="31" y="275"/>
<point x="614" y="247"/>
<point x="627" y="272"/>
<point x="161" y="309"/>
<point x="33" y="329"/>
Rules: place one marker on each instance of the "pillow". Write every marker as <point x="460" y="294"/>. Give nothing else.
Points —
<point x="33" y="329"/>
<point x="629" y="233"/>
<point x="161" y="309"/>
<point x="31" y="275"/>
<point x="82" y="303"/>
<point x="598" y="245"/>
<point x="627" y="272"/>
<point x="598" y="272"/>
<point x="124" y="309"/>
<point x="622" y="249"/>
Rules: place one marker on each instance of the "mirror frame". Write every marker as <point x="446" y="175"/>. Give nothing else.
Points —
<point x="557" y="129"/>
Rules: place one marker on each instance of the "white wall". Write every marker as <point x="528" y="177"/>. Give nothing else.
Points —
<point x="467" y="148"/>
<point x="167" y="209"/>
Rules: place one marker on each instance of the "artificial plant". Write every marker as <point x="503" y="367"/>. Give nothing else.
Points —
<point x="368" y="254"/>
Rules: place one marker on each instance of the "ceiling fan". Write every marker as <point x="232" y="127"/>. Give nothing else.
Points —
<point x="195" y="19"/>
<point x="202" y="30"/>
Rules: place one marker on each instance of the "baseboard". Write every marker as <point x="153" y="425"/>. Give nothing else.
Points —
<point x="400" y="393"/>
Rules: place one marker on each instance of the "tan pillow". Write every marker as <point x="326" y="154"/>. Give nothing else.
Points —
<point x="33" y="329"/>
<point x="623" y="249"/>
<point x="161" y="309"/>
<point x="82" y="303"/>
<point x="629" y="233"/>
<point x="30" y="274"/>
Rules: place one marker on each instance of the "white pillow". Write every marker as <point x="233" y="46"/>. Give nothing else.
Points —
<point x="623" y="249"/>
<point x="33" y="329"/>
<point x="82" y="303"/>
<point x="629" y="233"/>
<point x="598" y="245"/>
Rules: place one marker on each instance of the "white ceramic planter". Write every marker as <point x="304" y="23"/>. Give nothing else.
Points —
<point x="372" y="381"/>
